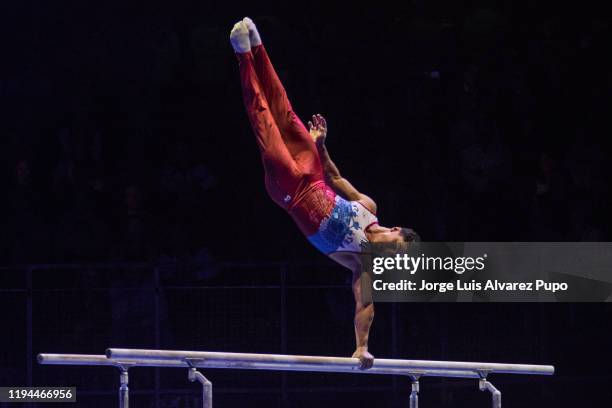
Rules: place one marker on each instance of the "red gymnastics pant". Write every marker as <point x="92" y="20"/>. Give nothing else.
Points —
<point x="290" y="157"/>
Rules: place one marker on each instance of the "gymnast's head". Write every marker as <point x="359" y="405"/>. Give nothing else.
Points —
<point x="397" y="235"/>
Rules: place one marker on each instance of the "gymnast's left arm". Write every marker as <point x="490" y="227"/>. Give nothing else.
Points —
<point x="364" y="316"/>
<point x="318" y="131"/>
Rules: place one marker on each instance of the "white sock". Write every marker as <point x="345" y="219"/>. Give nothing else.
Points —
<point x="239" y="37"/>
<point x="253" y="33"/>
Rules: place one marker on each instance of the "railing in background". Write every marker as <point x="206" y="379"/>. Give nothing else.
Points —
<point x="28" y="285"/>
<point x="282" y="281"/>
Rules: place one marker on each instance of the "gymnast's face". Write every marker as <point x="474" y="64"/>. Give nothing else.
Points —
<point x="389" y="235"/>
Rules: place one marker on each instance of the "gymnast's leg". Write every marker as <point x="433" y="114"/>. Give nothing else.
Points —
<point x="294" y="133"/>
<point x="283" y="176"/>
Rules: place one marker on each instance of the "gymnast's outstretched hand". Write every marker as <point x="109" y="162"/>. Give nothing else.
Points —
<point x="318" y="129"/>
<point x="367" y="359"/>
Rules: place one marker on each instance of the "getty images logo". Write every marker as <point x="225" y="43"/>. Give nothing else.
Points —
<point x="412" y="264"/>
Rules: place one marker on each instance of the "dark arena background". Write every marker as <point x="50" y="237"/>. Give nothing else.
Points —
<point x="134" y="212"/>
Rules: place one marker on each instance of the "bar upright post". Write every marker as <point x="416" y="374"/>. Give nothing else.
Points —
<point x="414" y="395"/>
<point x="485" y="385"/>
<point x="195" y="375"/>
<point x="124" y="391"/>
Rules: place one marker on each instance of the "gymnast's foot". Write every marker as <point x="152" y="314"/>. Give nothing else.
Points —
<point x="253" y="33"/>
<point x="239" y="37"/>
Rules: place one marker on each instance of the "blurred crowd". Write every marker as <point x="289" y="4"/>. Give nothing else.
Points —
<point x="85" y="209"/>
<point x="495" y="133"/>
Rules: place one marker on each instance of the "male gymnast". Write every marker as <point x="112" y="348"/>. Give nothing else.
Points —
<point x="302" y="179"/>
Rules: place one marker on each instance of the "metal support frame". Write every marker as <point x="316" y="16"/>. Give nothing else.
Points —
<point x="124" y="390"/>
<point x="195" y="375"/>
<point x="414" y="395"/>
<point x="415" y="369"/>
<point x="485" y="385"/>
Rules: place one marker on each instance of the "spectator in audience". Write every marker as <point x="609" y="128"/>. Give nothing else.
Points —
<point x="183" y="184"/>
<point x="135" y="235"/>
<point x="549" y="214"/>
<point x="589" y="195"/>
<point x="65" y="171"/>
<point x="483" y="167"/>
<point x="25" y="224"/>
<point x="81" y="230"/>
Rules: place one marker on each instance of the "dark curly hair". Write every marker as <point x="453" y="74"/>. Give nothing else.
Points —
<point x="410" y="235"/>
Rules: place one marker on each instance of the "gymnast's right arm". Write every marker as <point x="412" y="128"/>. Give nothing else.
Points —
<point x="364" y="315"/>
<point x="318" y="131"/>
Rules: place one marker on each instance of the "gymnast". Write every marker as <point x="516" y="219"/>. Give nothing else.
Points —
<point x="302" y="179"/>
